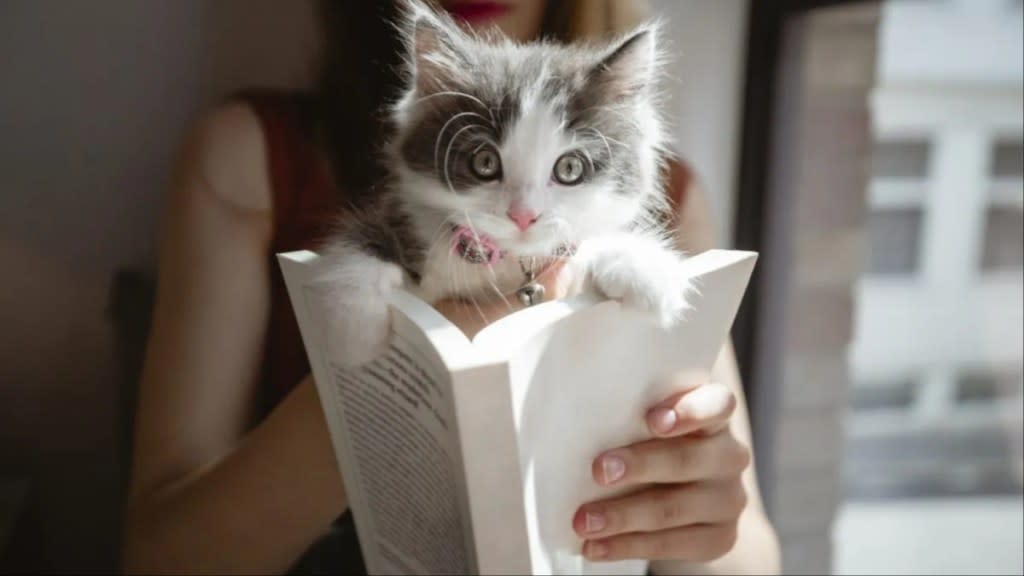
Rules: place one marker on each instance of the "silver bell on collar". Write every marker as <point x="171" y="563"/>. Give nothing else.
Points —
<point x="530" y="293"/>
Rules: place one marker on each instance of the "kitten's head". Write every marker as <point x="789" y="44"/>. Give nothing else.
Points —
<point x="535" y="145"/>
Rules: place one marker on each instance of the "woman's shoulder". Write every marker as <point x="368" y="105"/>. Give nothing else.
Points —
<point x="226" y="148"/>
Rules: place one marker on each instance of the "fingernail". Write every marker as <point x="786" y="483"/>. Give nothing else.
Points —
<point x="593" y="522"/>
<point x="663" y="420"/>
<point x="596" y="549"/>
<point x="613" y="468"/>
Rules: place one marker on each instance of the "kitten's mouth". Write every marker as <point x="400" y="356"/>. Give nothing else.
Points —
<point x="479" y="248"/>
<point x="475" y="248"/>
<point x="540" y="240"/>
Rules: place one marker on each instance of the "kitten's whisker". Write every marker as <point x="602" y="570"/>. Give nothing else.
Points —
<point x="479" y="310"/>
<point x="485" y="140"/>
<point x="444" y="128"/>
<point x="471" y="292"/>
<point x="437" y="237"/>
<point x="448" y="151"/>
<point x="467" y="294"/>
<point x="590" y="160"/>
<point x="562" y="231"/>
<point x="492" y="275"/>
<point x="493" y="282"/>
<point x="469" y="224"/>
<point x="454" y="284"/>
<point x="604" y="138"/>
<point x="616" y="111"/>
<point x="462" y="94"/>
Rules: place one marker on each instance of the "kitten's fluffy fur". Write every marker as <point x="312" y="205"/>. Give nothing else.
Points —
<point x="531" y="103"/>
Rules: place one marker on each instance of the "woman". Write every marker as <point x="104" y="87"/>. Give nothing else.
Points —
<point x="234" y="470"/>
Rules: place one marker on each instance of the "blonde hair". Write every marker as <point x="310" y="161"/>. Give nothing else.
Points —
<point x="570" y="20"/>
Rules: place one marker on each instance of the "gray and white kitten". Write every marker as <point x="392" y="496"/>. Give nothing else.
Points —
<point x="534" y="146"/>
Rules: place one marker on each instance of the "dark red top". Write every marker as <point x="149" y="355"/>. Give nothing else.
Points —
<point x="304" y="203"/>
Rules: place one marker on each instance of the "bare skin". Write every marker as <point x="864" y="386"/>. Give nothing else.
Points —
<point x="211" y="492"/>
<point x="214" y="491"/>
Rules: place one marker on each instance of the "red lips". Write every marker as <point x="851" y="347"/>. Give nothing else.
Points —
<point x="476" y="11"/>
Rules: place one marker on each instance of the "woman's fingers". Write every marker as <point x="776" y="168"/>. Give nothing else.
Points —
<point x="692" y="495"/>
<point x="672" y="460"/>
<point x="706" y="408"/>
<point x="698" y="543"/>
<point x="662" y="508"/>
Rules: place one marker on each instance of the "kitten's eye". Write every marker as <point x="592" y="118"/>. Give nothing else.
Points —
<point x="569" y="169"/>
<point x="486" y="164"/>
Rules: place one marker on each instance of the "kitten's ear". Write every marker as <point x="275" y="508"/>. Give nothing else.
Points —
<point x="629" y="68"/>
<point x="432" y="42"/>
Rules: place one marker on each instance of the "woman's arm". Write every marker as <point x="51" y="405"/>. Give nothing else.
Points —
<point x="210" y="493"/>
<point x="756" y="549"/>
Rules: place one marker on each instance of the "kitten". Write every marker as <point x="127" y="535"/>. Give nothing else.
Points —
<point x="526" y="149"/>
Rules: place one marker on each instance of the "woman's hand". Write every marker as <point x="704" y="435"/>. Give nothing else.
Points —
<point x="689" y="494"/>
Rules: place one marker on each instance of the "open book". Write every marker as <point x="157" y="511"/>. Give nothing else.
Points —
<point x="464" y="456"/>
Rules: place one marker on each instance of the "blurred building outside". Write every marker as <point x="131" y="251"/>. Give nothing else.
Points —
<point x="933" y="467"/>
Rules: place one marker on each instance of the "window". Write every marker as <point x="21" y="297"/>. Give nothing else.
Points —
<point x="893" y="238"/>
<point x="931" y="460"/>
<point x="900" y="172"/>
<point x="1003" y="247"/>
<point x="1003" y="242"/>
<point x="1008" y="159"/>
<point x="901" y="159"/>
<point x="871" y="396"/>
<point x="986" y="387"/>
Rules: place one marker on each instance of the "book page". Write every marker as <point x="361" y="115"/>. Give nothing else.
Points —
<point x="580" y="378"/>
<point x="490" y="452"/>
<point x="400" y="430"/>
<point x="393" y="430"/>
<point x="583" y="383"/>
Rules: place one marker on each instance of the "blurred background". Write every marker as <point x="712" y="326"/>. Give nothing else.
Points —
<point x="871" y="151"/>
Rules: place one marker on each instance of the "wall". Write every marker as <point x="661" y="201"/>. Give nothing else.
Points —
<point x="95" y="98"/>
<point x="705" y="93"/>
<point x="810" y="264"/>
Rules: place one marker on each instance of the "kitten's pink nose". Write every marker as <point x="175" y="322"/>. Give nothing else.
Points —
<point x="523" y="217"/>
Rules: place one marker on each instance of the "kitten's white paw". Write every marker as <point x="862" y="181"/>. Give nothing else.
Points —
<point x="359" y="316"/>
<point x="640" y="272"/>
<point x="360" y="332"/>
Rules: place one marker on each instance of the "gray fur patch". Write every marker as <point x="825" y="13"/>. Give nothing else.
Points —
<point x="451" y="127"/>
<point x="383" y="228"/>
<point x="467" y="91"/>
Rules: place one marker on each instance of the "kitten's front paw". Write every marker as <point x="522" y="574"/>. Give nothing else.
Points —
<point x="360" y="334"/>
<point x="359" y="317"/>
<point x="640" y="272"/>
